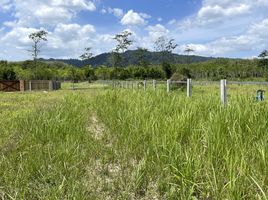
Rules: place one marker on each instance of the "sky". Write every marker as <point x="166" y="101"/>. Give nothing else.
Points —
<point x="217" y="28"/>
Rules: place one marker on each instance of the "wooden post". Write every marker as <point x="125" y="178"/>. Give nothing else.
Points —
<point x="145" y="84"/>
<point x="168" y="85"/>
<point x="154" y="84"/>
<point x="22" y="86"/>
<point x="189" y="87"/>
<point x="30" y="85"/>
<point x="224" y="91"/>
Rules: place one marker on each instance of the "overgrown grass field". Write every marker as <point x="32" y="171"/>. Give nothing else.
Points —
<point x="133" y="144"/>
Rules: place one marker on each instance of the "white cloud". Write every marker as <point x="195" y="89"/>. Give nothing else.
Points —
<point x="5" y="5"/>
<point x="52" y="15"/>
<point x="117" y="12"/>
<point x="210" y="14"/>
<point x="145" y="16"/>
<point x="133" y="18"/>
<point x="65" y="41"/>
<point x="157" y="31"/>
<point x="254" y="39"/>
<point x="48" y="12"/>
<point x="75" y="4"/>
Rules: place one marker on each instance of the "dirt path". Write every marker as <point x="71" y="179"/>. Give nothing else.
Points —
<point x="110" y="178"/>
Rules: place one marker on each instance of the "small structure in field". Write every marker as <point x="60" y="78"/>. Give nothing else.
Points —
<point x="178" y="81"/>
<point x="41" y="85"/>
<point x="260" y="95"/>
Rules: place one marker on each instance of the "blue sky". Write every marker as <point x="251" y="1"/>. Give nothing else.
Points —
<point x="224" y="28"/>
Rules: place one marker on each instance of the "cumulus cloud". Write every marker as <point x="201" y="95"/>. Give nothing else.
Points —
<point x="157" y="31"/>
<point x="254" y="39"/>
<point x="48" y="12"/>
<point x="133" y="18"/>
<point x="209" y="14"/>
<point x="65" y="41"/>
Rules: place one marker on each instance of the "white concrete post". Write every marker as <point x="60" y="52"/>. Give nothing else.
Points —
<point x="189" y="87"/>
<point x="168" y="85"/>
<point x="145" y="84"/>
<point x="154" y="84"/>
<point x="224" y="91"/>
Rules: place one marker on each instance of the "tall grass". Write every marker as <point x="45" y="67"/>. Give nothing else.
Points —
<point x="188" y="148"/>
<point x="50" y="152"/>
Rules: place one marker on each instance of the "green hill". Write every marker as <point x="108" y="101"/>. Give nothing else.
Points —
<point x="130" y="58"/>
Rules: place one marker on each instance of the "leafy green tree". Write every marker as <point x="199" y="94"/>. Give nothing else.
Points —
<point x="141" y="57"/>
<point x="37" y="38"/>
<point x="264" y="59"/>
<point x="89" y="73"/>
<point x="123" y="43"/>
<point x="165" y="47"/>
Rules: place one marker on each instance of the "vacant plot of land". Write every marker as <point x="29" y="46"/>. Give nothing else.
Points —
<point x="129" y="144"/>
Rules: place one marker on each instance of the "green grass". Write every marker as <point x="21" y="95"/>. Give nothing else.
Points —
<point x="190" y="148"/>
<point x="132" y="144"/>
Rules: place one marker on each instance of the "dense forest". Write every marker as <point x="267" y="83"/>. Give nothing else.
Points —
<point x="214" y="69"/>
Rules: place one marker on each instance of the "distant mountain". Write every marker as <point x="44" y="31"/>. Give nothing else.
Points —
<point x="130" y="58"/>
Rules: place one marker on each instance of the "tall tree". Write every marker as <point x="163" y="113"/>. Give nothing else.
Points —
<point x="87" y="54"/>
<point x="188" y="50"/>
<point x="141" y="57"/>
<point x="37" y="38"/>
<point x="123" y="43"/>
<point x="165" y="46"/>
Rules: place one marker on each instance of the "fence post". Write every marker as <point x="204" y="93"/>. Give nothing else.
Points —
<point x="224" y="91"/>
<point x="189" y="87"/>
<point x="154" y="84"/>
<point x="22" y="86"/>
<point x="50" y="85"/>
<point x="145" y="84"/>
<point x="30" y="85"/>
<point x="168" y="85"/>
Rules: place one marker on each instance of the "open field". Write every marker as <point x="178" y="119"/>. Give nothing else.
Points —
<point x="133" y="144"/>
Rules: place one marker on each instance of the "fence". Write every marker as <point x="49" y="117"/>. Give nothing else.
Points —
<point x="11" y="86"/>
<point x="189" y="85"/>
<point x="39" y="85"/>
<point x="144" y="84"/>
<point x="224" y="86"/>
